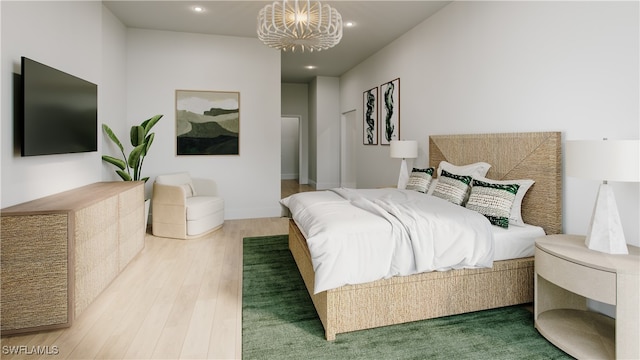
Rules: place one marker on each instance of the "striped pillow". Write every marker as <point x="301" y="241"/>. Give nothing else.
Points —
<point x="493" y="201"/>
<point x="515" y="218"/>
<point x="420" y="179"/>
<point x="452" y="187"/>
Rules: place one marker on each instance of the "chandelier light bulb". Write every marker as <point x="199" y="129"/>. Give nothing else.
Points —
<point x="304" y="25"/>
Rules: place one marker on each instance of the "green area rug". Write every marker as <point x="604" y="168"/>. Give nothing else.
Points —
<point x="280" y="322"/>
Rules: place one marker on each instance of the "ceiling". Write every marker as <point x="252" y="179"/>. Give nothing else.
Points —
<point x="376" y="24"/>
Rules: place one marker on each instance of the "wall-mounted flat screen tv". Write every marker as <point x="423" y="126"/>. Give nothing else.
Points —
<point x="60" y="111"/>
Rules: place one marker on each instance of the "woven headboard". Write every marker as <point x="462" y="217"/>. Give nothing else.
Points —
<point x="533" y="155"/>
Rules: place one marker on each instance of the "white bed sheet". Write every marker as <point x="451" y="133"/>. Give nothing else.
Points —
<point x="512" y="243"/>
<point x="515" y="242"/>
<point x="349" y="244"/>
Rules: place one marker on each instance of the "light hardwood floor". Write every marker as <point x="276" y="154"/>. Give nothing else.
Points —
<point x="178" y="299"/>
<point x="288" y="187"/>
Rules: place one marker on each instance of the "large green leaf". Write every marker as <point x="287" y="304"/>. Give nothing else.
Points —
<point x="134" y="156"/>
<point x="149" y="123"/>
<point x="137" y="135"/>
<point x="112" y="136"/>
<point x="148" y="141"/>
<point x="117" y="162"/>
<point x="124" y="175"/>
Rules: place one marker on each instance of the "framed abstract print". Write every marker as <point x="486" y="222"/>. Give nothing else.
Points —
<point x="370" y="117"/>
<point x="390" y="111"/>
<point x="207" y="122"/>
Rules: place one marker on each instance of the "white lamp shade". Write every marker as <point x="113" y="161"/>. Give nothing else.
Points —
<point x="611" y="160"/>
<point x="404" y="149"/>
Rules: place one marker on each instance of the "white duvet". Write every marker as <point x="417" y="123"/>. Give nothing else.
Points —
<point x="359" y="236"/>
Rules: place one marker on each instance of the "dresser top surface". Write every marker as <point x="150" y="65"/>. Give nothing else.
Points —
<point x="72" y="199"/>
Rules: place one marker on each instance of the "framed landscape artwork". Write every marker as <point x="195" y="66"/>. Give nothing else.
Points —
<point x="390" y="111"/>
<point x="207" y="122"/>
<point x="370" y="117"/>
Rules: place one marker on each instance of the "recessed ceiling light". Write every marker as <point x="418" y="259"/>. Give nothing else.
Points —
<point x="198" y="8"/>
<point x="349" y="24"/>
<point x="310" y="67"/>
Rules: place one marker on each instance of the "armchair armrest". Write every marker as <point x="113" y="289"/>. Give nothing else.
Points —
<point x="168" y="211"/>
<point x="168" y="195"/>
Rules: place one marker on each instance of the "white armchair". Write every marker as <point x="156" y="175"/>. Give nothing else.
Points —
<point x="184" y="207"/>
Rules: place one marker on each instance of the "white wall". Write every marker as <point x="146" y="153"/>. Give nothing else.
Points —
<point x="137" y="73"/>
<point x="114" y="91"/>
<point x="349" y="138"/>
<point x="2" y="92"/>
<point x="67" y="36"/>
<point x="160" y="62"/>
<point x="477" y="67"/>
<point x="313" y="133"/>
<point x="327" y="131"/>
<point x="295" y="102"/>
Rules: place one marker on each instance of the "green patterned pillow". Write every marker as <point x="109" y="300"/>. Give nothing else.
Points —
<point x="493" y="201"/>
<point x="420" y="179"/>
<point x="452" y="187"/>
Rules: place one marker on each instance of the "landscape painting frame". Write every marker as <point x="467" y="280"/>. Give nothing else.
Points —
<point x="207" y="122"/>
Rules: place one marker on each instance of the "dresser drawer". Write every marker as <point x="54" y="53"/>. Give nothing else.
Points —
<point x="582" y="280"/>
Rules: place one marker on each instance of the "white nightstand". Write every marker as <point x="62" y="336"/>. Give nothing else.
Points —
<point x="567" y="274"/>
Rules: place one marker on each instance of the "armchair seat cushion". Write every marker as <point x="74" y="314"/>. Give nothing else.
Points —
<point x="199" y="207"/>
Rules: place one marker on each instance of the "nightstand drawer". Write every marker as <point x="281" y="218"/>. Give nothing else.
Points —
<point x="582" y="280"/>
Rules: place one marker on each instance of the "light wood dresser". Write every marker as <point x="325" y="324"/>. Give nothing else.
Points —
<point x="59" y="252"/>
<point x="567" y="274"/>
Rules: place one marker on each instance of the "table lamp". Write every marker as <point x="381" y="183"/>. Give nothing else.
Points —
<point x="606" y="160"/>
<point x="404" y="149"/>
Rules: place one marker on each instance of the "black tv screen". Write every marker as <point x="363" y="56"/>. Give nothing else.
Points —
<point x="60" y="111"/>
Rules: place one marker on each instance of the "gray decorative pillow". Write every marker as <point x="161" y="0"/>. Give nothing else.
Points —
<point x="452" y="187"/>
<point x="493" y="201"/>
<point x="420" y="179"/>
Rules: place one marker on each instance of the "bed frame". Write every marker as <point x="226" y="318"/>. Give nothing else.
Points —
<point x="434" y="294"/>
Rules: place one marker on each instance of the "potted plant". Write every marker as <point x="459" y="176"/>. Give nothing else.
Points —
<point x="141" y="140"/>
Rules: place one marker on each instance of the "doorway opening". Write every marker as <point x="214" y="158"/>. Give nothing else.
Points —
<point x="294" y="163"/>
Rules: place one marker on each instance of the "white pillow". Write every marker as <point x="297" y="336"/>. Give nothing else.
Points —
<point x="299" y="203"/>
<point x="182" y="179"/>
<point x="474" y="170"/>
<point x="515" y="218"/>
<point x="188" y="190"/>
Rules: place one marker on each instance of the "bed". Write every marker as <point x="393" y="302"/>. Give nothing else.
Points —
<point x="400" y="299"/>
